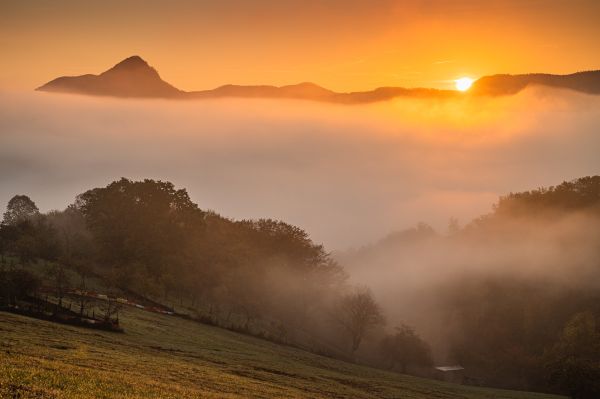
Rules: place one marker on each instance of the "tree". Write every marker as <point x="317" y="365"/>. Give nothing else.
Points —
<point x="60" y="279"/>
<point x="73" y="241"/>
<point x="358" y="313"/>
<point x="46" y="244"/>
<point x="276" y="238"/>
<point x="574" y="361"/>
<point x="19" y="208"/>
<point x="25" y="248"/>
<point x="145" y="222"/>
<point x="405" y="348"/>
<point x="17" y="284"/>
<point x="30" y="239"/>
<point x="577" y="194"/>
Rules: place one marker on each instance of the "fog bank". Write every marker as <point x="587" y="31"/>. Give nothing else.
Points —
<point x="346" y="174"/>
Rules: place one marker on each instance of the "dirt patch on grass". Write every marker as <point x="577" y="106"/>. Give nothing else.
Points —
<point x="61" y="347"/>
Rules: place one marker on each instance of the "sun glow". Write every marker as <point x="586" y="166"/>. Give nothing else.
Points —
<point x="463" y="84"/>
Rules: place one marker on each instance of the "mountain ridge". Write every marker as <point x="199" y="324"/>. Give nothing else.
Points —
<point x="134" y="77"/>
<point x="505" y="84"/>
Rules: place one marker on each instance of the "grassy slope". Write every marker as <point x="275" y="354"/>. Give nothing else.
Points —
<point x="167" y="357"/>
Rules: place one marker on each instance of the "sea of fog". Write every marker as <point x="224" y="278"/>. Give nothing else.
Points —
<point x="348" y="174"/>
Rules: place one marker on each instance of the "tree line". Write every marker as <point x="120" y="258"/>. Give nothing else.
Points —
<point x="148" y="238"/>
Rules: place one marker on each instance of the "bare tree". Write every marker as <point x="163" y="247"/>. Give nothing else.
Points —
<point x="112" y="308"/>
<point x="358" y="313"/>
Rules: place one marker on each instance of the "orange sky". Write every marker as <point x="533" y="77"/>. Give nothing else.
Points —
<point x="341" y="44"/>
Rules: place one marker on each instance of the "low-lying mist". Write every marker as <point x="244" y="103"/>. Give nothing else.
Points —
<point x="347" y="174"/>
<point x="503" y="295"/>
<point x="416" y="273"/>
<point x="491" y="288"/>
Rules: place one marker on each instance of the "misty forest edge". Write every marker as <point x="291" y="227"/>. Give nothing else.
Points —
<point x="148" y="245"/>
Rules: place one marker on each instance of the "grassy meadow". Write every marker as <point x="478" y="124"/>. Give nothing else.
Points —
<point x="168" y="357"/>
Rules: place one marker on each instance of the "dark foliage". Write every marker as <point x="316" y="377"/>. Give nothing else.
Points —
<point x="19" y="208"/>
<point x="17" y="284"/>
<point x="574" y="360"/>
<point x="405" y="349"/>
<point x="148" y="238"/>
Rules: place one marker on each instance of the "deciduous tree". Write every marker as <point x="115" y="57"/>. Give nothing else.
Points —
<point x="358" y="313"/>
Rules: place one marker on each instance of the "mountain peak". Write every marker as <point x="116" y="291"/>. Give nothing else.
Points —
<point x="133" y="60"/>
<point x="132" y="77"/>
<point x="131" y="63"/>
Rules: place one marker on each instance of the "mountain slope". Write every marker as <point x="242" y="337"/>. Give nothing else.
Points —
<point x="585" y="82"/>
<point x="162" y="356"/>
<point x="132" y="77"/>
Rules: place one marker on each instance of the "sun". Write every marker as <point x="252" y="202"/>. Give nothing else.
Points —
<point x="463" y="84"/>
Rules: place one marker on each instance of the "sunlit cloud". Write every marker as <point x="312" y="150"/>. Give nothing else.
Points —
<point x="389" y="165"/>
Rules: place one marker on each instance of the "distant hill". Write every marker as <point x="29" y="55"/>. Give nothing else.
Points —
<point x="585" y="82"/>
<point x="133" y="77"/>
<point x="302" y="90"/>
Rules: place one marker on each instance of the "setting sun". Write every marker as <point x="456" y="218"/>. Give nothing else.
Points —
<point x="463" y="84"/>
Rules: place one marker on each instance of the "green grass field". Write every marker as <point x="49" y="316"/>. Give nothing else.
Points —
<point x="168" y="357"/>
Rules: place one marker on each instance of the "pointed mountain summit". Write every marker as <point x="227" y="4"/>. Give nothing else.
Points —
<point x="132" y="77"/>
<point x="131" y="63"/>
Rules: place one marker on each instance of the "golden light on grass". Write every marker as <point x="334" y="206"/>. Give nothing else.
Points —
<point x="463" y="84"/>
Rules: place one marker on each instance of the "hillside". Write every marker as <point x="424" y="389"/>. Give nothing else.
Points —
<point x="584" y="82"/>
<point x="506" y="292"/>
<point x="269" y="280"/>
<point x="132" y="77"/>
<point x="168" y="357"/>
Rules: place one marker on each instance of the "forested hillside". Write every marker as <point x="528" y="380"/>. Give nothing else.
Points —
<point x="513" y="296"/>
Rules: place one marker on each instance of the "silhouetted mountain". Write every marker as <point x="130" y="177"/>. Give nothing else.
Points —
<point x="585" y="82"/>
<point x="311" y="91"/>
<point x="133" y="77"/>
<point x="302" y="90"/>
<point x="388" y="93"/>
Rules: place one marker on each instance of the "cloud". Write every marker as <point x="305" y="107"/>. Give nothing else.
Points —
<point x="347" y="174"/>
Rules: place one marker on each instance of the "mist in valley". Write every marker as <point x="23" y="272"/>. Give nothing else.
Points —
<point x="403" y="194"/>
<point x="349" y="175"/>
